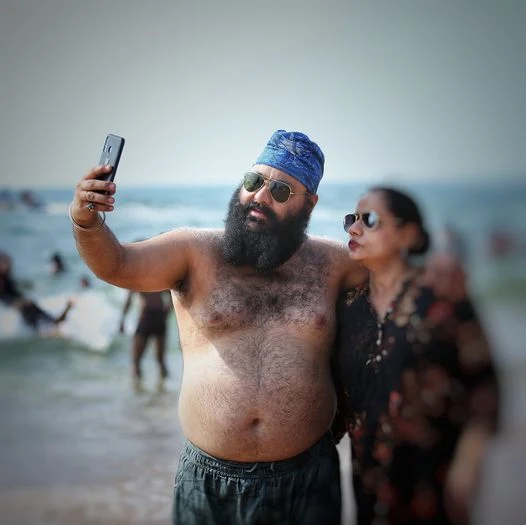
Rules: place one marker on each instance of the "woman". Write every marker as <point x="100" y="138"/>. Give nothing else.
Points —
<point x="418" y="392"/>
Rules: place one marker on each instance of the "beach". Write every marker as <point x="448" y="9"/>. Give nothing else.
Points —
<point x="423" y="97"/>
<point x="79" y="445"/>
<point x="107" y="458"/>
<point x="90" y="451"/>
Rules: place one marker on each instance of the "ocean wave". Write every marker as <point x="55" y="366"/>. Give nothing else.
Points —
<point x="92" y="322"/>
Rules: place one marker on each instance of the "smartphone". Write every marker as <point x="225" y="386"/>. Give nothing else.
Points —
<point x="111" y="154"/>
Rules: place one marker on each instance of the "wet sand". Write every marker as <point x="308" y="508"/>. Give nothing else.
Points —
<point x="86" y="453"/>
<point x="101" y="470"/>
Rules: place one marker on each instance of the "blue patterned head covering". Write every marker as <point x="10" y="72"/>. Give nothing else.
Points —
<point x="295" y="154"/>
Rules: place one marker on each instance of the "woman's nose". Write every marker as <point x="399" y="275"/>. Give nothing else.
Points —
<point x="356" y="228"/>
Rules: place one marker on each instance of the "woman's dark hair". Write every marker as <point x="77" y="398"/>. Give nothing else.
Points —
<point x="405" y="208"/>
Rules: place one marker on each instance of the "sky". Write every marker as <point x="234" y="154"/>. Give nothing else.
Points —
<point x="426" y="89"/>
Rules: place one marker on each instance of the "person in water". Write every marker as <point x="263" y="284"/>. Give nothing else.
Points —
<point x="154" y="308"/>
<point x="32" y="314"/>
<point x="57" y="265"/>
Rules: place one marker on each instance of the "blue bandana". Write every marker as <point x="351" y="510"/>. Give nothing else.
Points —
<point x="295" y="154"/>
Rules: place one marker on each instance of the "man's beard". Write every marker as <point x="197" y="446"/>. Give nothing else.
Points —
<point x="268" y="246"/>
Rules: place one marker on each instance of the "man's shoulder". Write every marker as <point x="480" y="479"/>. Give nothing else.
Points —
<point x="195" y="245"/>
<point x="195" y="235"/>
<point x="328" y="244"/>
<point x="334" y="250"/>
<point x="347" y="271"/>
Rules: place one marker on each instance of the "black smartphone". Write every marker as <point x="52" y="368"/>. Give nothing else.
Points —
<point x="111" y="154"/>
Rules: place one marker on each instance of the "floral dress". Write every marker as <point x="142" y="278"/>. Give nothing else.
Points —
<point x="407" y="387"/>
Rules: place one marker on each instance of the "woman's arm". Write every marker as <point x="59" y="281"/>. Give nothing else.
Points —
<point x="481" y="380"/>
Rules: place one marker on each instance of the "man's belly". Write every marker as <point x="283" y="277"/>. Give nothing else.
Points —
<point x="266" y="410"/>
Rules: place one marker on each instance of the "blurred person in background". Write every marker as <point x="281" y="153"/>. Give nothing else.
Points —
<point x="154" y="309"/>
<point x="84" y="282"/>
<point x="58" y="266"/>
<point x="418" y="391"/>
<point x="34" y="316"/>
<point x="449" y="240"/>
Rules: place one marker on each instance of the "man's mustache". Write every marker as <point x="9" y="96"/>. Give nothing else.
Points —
<point x="261" y="208"/>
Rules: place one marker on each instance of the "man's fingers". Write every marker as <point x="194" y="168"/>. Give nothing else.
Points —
<point x="97" y="171"/>
<point x="92" y="195"/>
<point x="91" y="184"/>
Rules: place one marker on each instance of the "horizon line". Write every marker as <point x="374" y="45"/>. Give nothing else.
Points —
<point x="492" y="179"/>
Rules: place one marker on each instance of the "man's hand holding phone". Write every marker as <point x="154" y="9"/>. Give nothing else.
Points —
<point x="95" y="191"/>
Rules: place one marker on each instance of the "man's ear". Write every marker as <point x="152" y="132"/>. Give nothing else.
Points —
<point x="313" y="199"/>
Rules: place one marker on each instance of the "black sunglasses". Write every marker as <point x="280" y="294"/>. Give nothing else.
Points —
<point x="280" y="191"/>
<point x="370" y="219"/>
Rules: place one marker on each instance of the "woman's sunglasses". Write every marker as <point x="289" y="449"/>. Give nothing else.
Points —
<point x="280" y="191"/>
<point x="370" y="219"/>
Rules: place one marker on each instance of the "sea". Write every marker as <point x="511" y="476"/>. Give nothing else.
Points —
<point x="80" y="444"/>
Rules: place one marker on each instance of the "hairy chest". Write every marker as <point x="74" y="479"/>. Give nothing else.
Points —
<point x="229" y="299"/>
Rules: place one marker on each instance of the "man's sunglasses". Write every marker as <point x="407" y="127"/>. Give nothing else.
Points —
<point x="280" y="191"/>
<point x="370" y="220"/>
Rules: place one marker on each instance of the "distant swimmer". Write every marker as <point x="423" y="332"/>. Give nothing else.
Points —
<point x="57" y="264"/>
<point x="29" y="199"/>
<point x="85" y="282"/>
<point x="33" y="316"/>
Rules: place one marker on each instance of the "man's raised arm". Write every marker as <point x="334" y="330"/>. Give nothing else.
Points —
<point x="151" y="265"/>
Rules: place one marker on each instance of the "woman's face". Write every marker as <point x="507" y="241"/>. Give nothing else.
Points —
<point x="377" y="237"/>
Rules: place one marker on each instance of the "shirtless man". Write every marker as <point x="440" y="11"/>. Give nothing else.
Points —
<point x="255" y="306"/>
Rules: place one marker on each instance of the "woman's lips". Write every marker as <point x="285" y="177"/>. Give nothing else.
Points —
<point x="353" y="245"/>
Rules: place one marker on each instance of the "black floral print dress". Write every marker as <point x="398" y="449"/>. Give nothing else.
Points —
<point x="406" y="390"/>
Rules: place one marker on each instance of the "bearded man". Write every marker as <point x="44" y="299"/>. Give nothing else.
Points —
<point x="255" y="306"/>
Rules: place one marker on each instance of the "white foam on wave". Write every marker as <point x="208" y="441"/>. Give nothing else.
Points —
<point x="12" y="325"/>
<point x="56" y="208"/>
<point x="163" y="215"/>
<point x="92" y="322"/>
<point x="167" y="214"/>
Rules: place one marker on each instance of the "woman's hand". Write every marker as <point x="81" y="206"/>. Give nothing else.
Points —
<point x="463" y="477"/>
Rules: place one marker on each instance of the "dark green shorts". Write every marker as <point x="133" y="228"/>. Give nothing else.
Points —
<point x="303" y="490"/>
